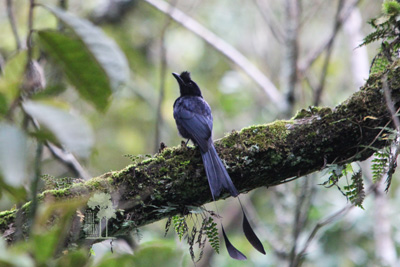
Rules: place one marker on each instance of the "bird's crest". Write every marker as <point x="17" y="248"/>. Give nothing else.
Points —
<point x="185" y="76"/>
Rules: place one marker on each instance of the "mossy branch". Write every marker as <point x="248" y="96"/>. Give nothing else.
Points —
<point x="256" y="156"/>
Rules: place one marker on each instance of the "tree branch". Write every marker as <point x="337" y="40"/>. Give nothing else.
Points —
<point x="261" y="155"/>
<point x="11" y="18"/>
<point x="226" y="49"/>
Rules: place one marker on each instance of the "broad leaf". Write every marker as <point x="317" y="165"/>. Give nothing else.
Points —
<point x="45" y="244"/>
<point x="14" y="257"/>
<point x="103" y="50"/>
<point x="71" y="131"/>
<point x="13" y="152"/>
<point x="82" y="70"/>
<point x="12" y="78"/>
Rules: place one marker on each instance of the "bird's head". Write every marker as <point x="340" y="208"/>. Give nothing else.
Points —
<point x="186" y="85"/>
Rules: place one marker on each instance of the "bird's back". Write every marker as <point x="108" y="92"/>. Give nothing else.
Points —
<point x="194" y="120"/>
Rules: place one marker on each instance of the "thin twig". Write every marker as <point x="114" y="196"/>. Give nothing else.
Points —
<point x="300" y="219"/>
<point x="69" y="160"/>
<point x="359" y="55"/>
<point x="385" y="249"/>
<point x="13" y="24"/>
<point x="35" y="182"/>
<point x="66" y="158"/>
<point x="310" y="11"/>
<point x="338" y="23"/>
<point x="313" y="55"/>
<point x="389" y="103"/>
<point x="226" y="49"/>
<point x="63" y="4"/>
<point x="270" y="20"/>
<point x="291" y="46"/>
<point x="163" y="72"/>
<point x="16" y="102"/>
<point x="395" y="149"/>
<point x="371" y="143"/>
<point x="30" y="30"/>
<point x="328" y="220"/>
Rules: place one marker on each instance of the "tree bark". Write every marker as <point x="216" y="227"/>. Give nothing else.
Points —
<point x="256" y="156"/>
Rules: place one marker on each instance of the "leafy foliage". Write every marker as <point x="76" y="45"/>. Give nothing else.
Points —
<point x="167" y="226"/>
<point x="387" y="29"/>
<point x="70" y="53"/>
<point x="180" y="226"/>
<point x="87" y="48"/>
<point x="71" y="37"/>
<point x="386" y="26"/>
<point x="196" y="235"/>
<point x="355" y="191"/>
<point x="385" y="163"/>
<point x="71" y="131"/>
<point x="379" y="165"/>
<point x="211" y="231"/>
<point x="335" y="173"/>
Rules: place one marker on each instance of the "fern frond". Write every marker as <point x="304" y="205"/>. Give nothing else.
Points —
<point x="167" y="225"/>
<point x="190" y="240"/>
<point x="180" y="225"/>
<point x="355" y="191"/>
<point x="211" y="231"/>
<point x="380" y="164"/>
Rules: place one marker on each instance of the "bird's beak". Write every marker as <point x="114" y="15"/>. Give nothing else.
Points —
<point x="178" y="78"/>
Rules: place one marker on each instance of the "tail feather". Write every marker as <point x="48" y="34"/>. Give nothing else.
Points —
<point x="218" y="177"/>
<point x="250" y="235"/>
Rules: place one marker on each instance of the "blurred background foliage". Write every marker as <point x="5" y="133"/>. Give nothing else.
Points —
<point x="139" y="117"/>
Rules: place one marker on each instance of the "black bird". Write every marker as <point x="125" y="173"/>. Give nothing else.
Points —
<point x="194" y="121"/>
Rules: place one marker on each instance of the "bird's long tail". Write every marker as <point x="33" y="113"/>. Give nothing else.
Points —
<point x="218" y="179"/>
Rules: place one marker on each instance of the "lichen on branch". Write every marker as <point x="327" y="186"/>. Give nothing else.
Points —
<point x="257" y="156"/>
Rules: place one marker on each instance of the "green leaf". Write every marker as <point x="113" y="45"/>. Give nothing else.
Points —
<point x="3" y="105"/>
<point x="10" y="257"/>
<point x="110" y="260"/>
<point x="355" y="191"/>
<point x="391" y="8"/>
<point x="102" y="50"/>
<point x="45" y="244"/>
<point x="70" y="130"/>
<point x="13" y="152"/>
<point x="158" y="254"/>
<point x="74" y="258"/>
<point x="180" y="225"/>
<point x="17" y="193"/>
<point x="13" y="75"/>
<point x="82" y="70"/>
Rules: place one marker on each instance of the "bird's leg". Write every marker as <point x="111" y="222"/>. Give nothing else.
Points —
<point x="184" y="144"/>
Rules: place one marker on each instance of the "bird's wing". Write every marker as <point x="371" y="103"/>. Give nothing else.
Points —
<point x="198" y="125"/>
